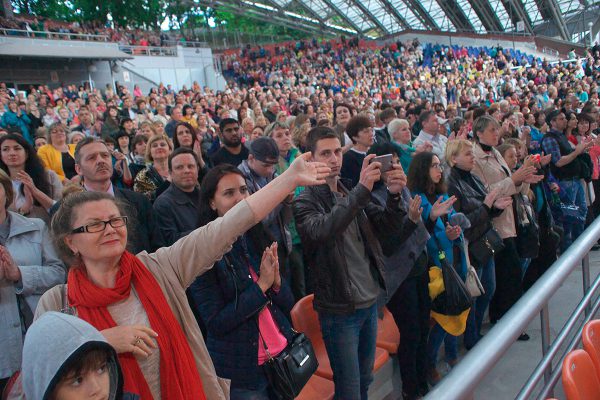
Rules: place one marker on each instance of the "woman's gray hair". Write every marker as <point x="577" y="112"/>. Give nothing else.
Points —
<point x="396" y="124"/>
<point x="482" y="123"/>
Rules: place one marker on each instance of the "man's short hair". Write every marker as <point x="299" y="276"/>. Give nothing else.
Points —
<point x="84" y="142"/>
<point x="387" y="113"/>
<point x="179" y="151"/>
<point x="357" y="124"/>
<point x="319" y="133"/>
<point x="227" y="121"/>
<point x="552" y="115"/>
<point x="425" y="115"/>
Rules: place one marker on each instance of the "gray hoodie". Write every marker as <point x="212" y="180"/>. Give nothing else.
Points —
<point x="52" y="341"/>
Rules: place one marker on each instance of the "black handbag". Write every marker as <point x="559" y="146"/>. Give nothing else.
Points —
<point x="289" y="371"/>
<point x="455" y="299"/>
<point x="484" y="248"/>
<point x="528" y="233"/>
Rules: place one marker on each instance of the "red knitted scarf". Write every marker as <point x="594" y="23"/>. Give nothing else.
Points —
<point x="179" y="378"/>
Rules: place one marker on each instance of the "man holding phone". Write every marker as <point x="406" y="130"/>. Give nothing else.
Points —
<point x="340" y="232"/>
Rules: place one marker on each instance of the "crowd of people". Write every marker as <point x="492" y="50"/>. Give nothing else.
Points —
<point x="187" y="223"/>
<point x="39" y="27"/>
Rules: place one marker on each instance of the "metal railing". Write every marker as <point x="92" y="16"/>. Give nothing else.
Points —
<point x="53" y="35"/>
<point x="185" y="43"/>
<point x="464" y="378"/>
<point x="148" y="50"/>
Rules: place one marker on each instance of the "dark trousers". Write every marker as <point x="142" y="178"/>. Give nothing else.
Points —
<point x="410" y="307"/>
<point x="508" y="280"/>
<point x="296" y="265"/>
<point x="3" y="383"/>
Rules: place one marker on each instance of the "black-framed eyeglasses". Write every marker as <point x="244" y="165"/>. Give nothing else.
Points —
<point x="99" y="226"/>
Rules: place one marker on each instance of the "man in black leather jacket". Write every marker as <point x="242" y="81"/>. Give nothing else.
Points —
<point x="339" y="231"/>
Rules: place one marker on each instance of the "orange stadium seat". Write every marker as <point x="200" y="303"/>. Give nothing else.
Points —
<point x="388" y="335"/>
<point x="304" y="319"/>
<point x="317" y="388"/>
<point x="591" y="343"/>
<point x="579" y="377"/>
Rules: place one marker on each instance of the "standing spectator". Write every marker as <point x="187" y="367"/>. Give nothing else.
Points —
<point x="338" y="230"/>
<point x="29" y="266"/>
<point x="176" y="209"/>
<point x="15" y="120"/>
<point x="430" y="128"/>
<point x="246" y="316"/>
<point x="360" y="131"/>
<point x="57" y="155"/>
<point x="154" y="179"/>
<point x="491" y="168"/>
<point x="233" y="151"/>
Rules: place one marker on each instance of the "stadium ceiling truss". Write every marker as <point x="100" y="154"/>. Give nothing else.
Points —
<point x="382" y="18"/>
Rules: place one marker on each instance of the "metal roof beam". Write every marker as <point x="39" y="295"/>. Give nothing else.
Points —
<point x="454" y="12"/>
<point x="422" y="14"/>
<point x="517" y="12"/>
<point x="372" y="17"/>
<point x="340" y="14"/>
<point x="487" y="16"/>
<point x="309" y="10"/>
<point x="544" y="9"/>
<point x="563" y="30"/>
<point x="394" y="12"/>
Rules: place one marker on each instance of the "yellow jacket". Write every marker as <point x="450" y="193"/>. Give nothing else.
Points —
<point x="52" y="158"/>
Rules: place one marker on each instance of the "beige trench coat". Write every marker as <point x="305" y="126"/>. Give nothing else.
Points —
<point x="494" y="173"/>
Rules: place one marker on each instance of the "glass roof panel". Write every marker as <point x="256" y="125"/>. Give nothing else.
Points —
<point x="281" y="3"/>
<point x="318" y="6"/>
<point x="407" y="14"/>
<point x="471" y="15"/>
<point x="353" y="13"/>
<point x="533" y="11"/>
<point x="567" y="6"/>
<point x="438" y="15"/>
<point x="385" y="17"/>
<point x="500" y="11"/>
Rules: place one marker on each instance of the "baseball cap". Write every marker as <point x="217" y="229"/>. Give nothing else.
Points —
<point x="265" y="149"/>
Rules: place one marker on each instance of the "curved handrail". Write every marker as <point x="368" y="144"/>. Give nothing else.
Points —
<point x="52" y="35"/>
<point x="464" y="378"/>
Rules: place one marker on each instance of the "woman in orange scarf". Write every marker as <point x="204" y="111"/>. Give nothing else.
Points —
<point x="139" y="302"/>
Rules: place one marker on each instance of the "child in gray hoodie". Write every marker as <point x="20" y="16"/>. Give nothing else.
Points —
<point x="66" y="358"/>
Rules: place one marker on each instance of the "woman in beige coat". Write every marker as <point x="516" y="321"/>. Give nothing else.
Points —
<point x="495" y="174"/>
<point x="139" y="302"/>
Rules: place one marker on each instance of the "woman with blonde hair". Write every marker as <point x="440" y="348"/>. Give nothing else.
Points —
<point x="154" y="179"/>
<point x="57" y="155"/>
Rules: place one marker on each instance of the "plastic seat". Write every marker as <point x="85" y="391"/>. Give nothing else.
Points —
<point x="591" y="343"/>
<point x="317" y="388"/>
<point x="579" y="377"/>
<point x="305" y="319"/>
<point x="388" y="335"/>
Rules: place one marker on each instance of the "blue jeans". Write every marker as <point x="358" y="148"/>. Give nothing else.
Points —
<point x="524" y="265"/>
<point x="575" y="194"/>
<point x="437" y="336"/>
<point x="350" y="344"/>
<point x="487" y="276"/>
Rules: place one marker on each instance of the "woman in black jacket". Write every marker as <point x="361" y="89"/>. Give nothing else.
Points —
<point x="480" y="206"/>
<point x="242" y="300"/>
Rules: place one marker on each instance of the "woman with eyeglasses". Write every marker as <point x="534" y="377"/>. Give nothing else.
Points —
<point x="139" y="302"/>
<point x="426" y="179"/>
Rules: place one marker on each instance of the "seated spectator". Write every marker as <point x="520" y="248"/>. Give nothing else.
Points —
<point x="111" y="122"/>
<point x="86" y="123"/>
<point x="36" y="189"/>
<point x="78" y="363"/>
<point x="345" y="257"/>
<point x="75" y="137"/>
<point x="39" y="141"/>
<point x="480" y="207"/>
<point x="430" y="132"/>
<point x="425" y="179"/>
<point x="154" y="179"/>
<point x="233" y="151"/>
<point x="29" y="266"/>
<point x="401" y="138"/>
<point x="176" y="115"/>
<point x="185" y="136"/>
<point x="360" y="131"/>
<point x="153" y="322"/>
<point x="176" y="209"/>
<point x="246" y="322"/>
<point x="57" y="155"/>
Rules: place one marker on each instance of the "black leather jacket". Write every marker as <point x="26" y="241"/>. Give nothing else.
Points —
<point x="321" y="223"/>
<point x="470" y="193"/>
